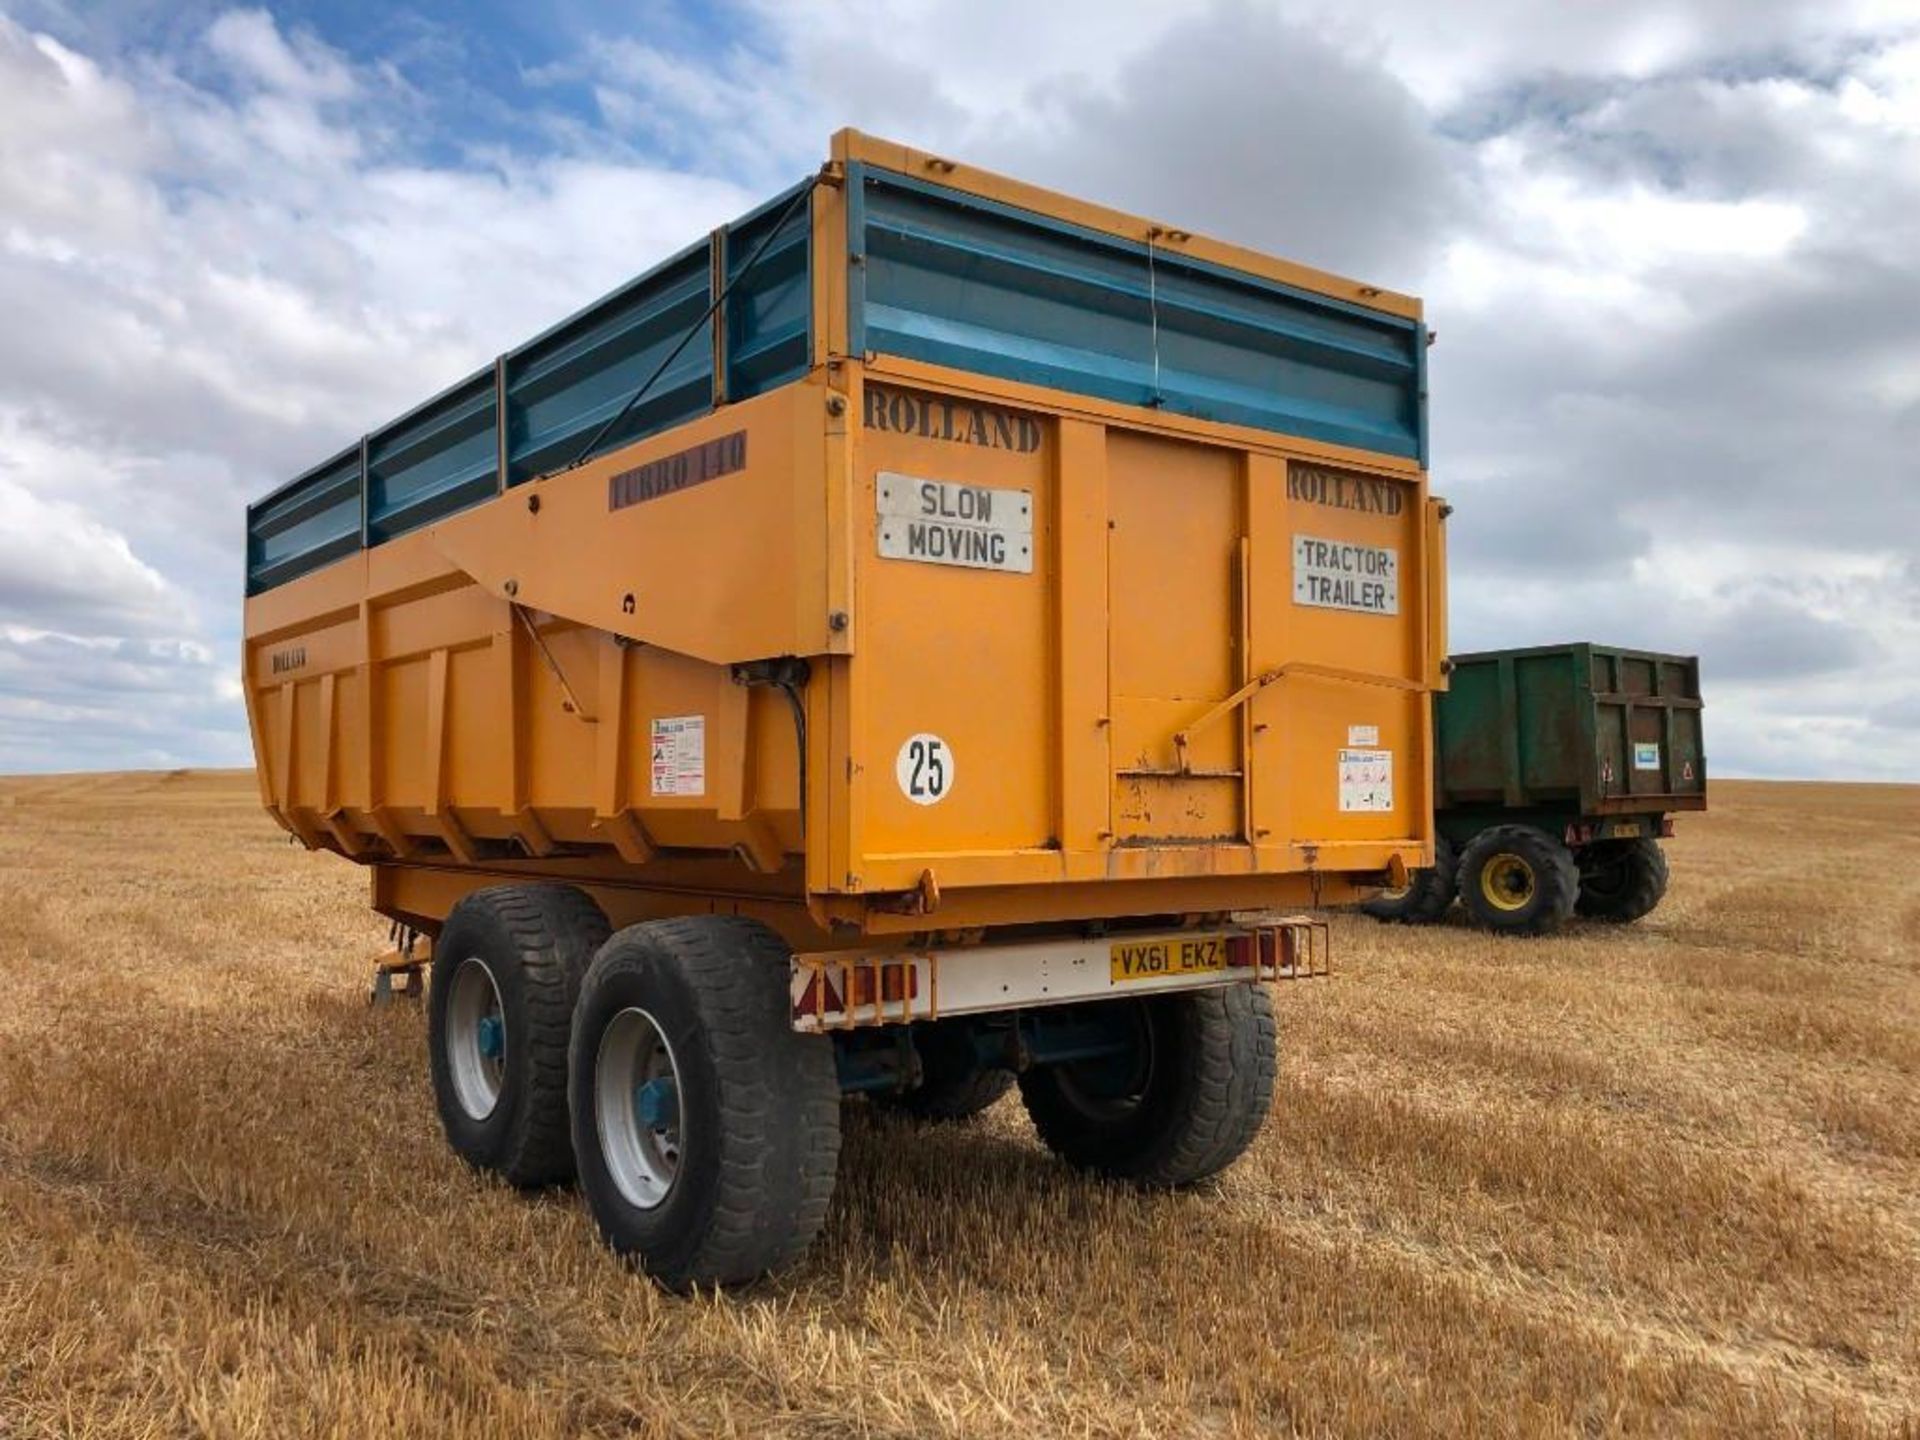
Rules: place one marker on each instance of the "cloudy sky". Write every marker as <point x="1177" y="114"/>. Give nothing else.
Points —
<point x="1671" y="248"/>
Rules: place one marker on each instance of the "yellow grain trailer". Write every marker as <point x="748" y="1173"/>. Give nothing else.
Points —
<point x="899" y="644"/>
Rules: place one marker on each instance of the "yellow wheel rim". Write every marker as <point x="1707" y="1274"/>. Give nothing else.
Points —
<point x="1507" y="882"/>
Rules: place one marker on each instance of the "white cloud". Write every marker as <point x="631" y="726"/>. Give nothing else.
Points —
<point x="59" y="563"/>
<point x="1449" y="53"/>
<point x="68" y="703"/>
<point x="211" y="282"/>
<point x="1668" y="245"/>
<point x="1887" y="89"/>
<point x="253" y="45"/>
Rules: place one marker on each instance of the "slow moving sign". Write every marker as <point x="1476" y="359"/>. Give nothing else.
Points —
<point x="937" y="522"/>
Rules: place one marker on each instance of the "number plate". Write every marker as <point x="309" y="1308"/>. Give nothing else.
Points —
<point x="1158" y="959"/>
<point x="1626" y="830"/>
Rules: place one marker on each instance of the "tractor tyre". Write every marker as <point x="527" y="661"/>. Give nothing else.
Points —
<point x="706" y="1129"/>
<point x="1181" y="1105"/>
<point x="1427" y="895"/>
<point x="1620" y="880"/>
<point x="507" y="966"/>
<point x="1518" y="880"/>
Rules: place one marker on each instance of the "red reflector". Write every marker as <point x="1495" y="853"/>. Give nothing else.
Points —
<point x="1241" y="951"/>
<point x="891" y="982"/>
<point x="819" y="998"/>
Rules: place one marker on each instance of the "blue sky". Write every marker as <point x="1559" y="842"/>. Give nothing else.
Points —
<point x="482" y="74"/>
<point x="1667" y="245"/>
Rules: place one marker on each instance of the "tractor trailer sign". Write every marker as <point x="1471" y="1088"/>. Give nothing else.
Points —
<point x="1339" y="575"/>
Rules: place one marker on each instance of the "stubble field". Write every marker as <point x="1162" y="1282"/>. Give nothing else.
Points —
<point x="1663" y="1180"/>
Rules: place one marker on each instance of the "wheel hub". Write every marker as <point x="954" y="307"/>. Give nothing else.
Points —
<point x="637" y="1109"/>
<point x="476" y="1031"/>
<point x="657" y="1103"/>
<point x="1507" y="882"/>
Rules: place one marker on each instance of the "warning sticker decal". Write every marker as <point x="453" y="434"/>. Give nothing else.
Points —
<point x="680" y="755"/>
<point x="1366" y="781"/>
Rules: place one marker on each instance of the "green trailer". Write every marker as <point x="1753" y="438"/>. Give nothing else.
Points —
<point x="1558" y="769"/>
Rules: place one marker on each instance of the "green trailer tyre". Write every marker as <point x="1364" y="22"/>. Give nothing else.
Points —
<point x="706" y="1130"/>
<point x="1427" y="895"/>
<point x="1518" y="880"/>
<point x="1180" y="1106"/>
<point x="506" y="968"/>
<point x="1620" y="880"/>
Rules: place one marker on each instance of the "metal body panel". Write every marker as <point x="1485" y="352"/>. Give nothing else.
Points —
<point x="309" y="522"/>
<point x="1567" y="728"/>
<point x="441" y="458"/>
<point x="850" y="147"/>
<point x="707" y="540"/>
<point x="566" y="385"/>
<point x="1138" y="718"/>
<point x="963" y="281"/>
<point x="967" y="270"/>
<point x="533" y="411"/>
<point x="769" y="311"/>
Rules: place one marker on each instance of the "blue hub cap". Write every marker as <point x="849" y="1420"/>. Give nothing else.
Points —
<point x="491" y="1035"/>
<point x="636" y="1108"/>
<point x="475" y="1040"/>
<point x="657" y="1103"/>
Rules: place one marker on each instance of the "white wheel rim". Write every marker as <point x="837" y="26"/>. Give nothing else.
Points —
<point x="476" y="1038"/>
<point x="637" y="1108"/>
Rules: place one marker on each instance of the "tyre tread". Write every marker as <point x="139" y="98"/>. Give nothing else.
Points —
<point x="777" y="1093"/>
<point x="1429" y="894"/>
<point x="1557" y="876"/>
<point x="1228" y="1041"/>
<point x="554" y="931"/>
<point x="1647" y="877"/>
